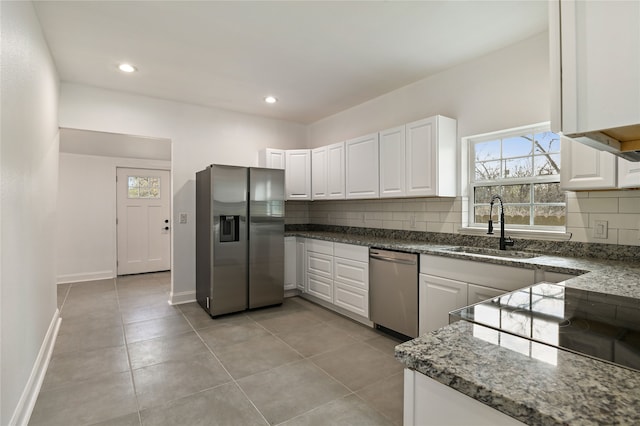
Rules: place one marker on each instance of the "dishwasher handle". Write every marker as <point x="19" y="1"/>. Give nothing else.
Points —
<point x="377" y="256"/>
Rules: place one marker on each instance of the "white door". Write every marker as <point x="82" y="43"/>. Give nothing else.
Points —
<point x="392" y="162"/>
<point x="319" y="173"/>
<point x="362" y="167"/>
<point x="143" y="220"/>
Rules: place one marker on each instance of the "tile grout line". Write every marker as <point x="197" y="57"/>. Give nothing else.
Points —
<point x="126" y="346"/>
<point x="233" y="380"/>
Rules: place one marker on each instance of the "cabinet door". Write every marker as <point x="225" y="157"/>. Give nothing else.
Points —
<point x="319" y="173"/>
<point x="362" y="167"/>
<point x="421" y="158"/>
<point x="272" y="158"/>
<point x="301" y="264"/>
<point x="628" y="174"/>
<point x="392" y="162"/>
<point x="600" y="62"/>
<point x="320" y="264"/>
<point x="320" y="287"/>
<point x="290" y="264"/>
<point x="477" y="294"/>
<point x="431" y="161"/>
<point x="438" y="296"/>
<point x="351" y="272"/>
<point x="298" y="174"/>
<point x="585" y="168"/>
<point x="336" y="171"/>
<point x="351" y="298"/>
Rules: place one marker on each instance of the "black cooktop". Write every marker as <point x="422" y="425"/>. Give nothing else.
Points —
<point x="599" y="325"/>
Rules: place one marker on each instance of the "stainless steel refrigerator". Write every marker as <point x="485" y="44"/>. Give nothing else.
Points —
<point x="239" y="238"/>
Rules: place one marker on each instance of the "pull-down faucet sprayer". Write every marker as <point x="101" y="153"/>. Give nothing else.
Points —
<point x="504" y="242"/>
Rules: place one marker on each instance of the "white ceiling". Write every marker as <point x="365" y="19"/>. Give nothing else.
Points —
<point x="317" y="57"/>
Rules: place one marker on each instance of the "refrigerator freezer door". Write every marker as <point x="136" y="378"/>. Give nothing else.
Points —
<point x="228" y="287"/>
<point x="266" y="237"/>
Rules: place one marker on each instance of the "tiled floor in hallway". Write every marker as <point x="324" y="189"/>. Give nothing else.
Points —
<point x="124" y="356"/>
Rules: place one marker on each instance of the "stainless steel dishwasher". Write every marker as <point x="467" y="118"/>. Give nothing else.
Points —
<point x="393" y="291"/>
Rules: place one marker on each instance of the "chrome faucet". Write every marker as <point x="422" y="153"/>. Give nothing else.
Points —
<point x="504" y="242"/>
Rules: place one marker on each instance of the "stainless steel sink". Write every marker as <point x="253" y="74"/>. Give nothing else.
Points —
<point x="481" y="251"/>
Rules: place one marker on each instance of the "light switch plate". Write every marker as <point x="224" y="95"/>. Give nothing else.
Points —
<point x="183" y="218"/>
<point x="600" y="229"/>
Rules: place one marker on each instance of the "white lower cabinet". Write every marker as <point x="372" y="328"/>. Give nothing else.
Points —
<point x="301" y="264"/>
<point x="478" y="293"/>
<point x="320" y="287"/>
<point x="339" y="274"/>
<point x="447" y="284"/>
<point x="437" y="297"/>
<point x="290" y="263"/>
<point x="428" y="402"/>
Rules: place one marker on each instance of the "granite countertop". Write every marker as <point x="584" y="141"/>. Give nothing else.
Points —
<point x="574" y="390"/>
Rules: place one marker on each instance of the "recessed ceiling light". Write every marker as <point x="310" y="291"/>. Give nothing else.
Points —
<point x="127" y="68"/>
<point x="270" y="99"/>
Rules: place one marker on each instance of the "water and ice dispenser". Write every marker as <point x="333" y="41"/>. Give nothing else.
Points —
<point x="229" y="228"/>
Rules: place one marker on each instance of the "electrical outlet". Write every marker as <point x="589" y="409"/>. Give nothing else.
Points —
<point x="183" y="218"/>
<point x="600" y="229"/>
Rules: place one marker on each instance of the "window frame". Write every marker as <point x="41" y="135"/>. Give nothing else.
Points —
<point x="469" y="145"/>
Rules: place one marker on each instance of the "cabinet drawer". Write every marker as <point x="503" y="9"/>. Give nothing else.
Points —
<point x="320" y="287"/>
<point x="351" y="251"/>
<point x="351" y="298"/>
<point x="507" y="278"/>
<point x="320" y="246"/>
<point x="320" y="264"/>
<point x="351" y="272"/>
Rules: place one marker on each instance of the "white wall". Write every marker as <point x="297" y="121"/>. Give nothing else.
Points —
<point x="29" y="174"/>
<point x="505" y="89"/>
<point x="86" y="229"/>
<point x="200" y="136"/>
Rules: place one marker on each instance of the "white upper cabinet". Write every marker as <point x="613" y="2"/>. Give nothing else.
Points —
<point x="272" y="158"/>
<point x="586" y="168"/>
<point x="362" y="167"/>
<point x="628" y="174"/>
<point x="419" y="159"/>
<point x="431" y="157"/>
<point x="595" y="64"/>
<point x="328" y="172"/>
<point x="319" y="173"/>
<point x="336" y="171"/>
<point x="298" y="174"/>
<point x="392" y="162"/>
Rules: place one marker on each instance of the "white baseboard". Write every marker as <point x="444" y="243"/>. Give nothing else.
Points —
<point x="182" y="297"/>
<point x="29" y="396"/>
<point x="85" y="276"/>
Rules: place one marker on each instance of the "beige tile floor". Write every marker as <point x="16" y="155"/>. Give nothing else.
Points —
<point x="124" y="356"/>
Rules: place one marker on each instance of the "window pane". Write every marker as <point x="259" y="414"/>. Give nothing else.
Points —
<point x="133" y="193"/>
<point x="517" y="147"/>
<point x="517" y="167"/>
<point x="487" y="150"/>
<point x="133" y="181"/>
<point x="547" y="142"/>
<point x="483" y="193"/>
<point x="549" y="215"/>
<point x="547" y="164"/>
<point x="517" y="215"/>
<point x="481" y="214"/>
<point x="516" y="193"/>
<point x="487" y="170"/>
<point x="154" y="193"/>
<point x="144" y="182"/>
<point x="155" y="182"/>
<point x="548" y="193"/>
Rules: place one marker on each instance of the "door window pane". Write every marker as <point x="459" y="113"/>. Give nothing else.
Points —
<point x="143" y="187"/>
